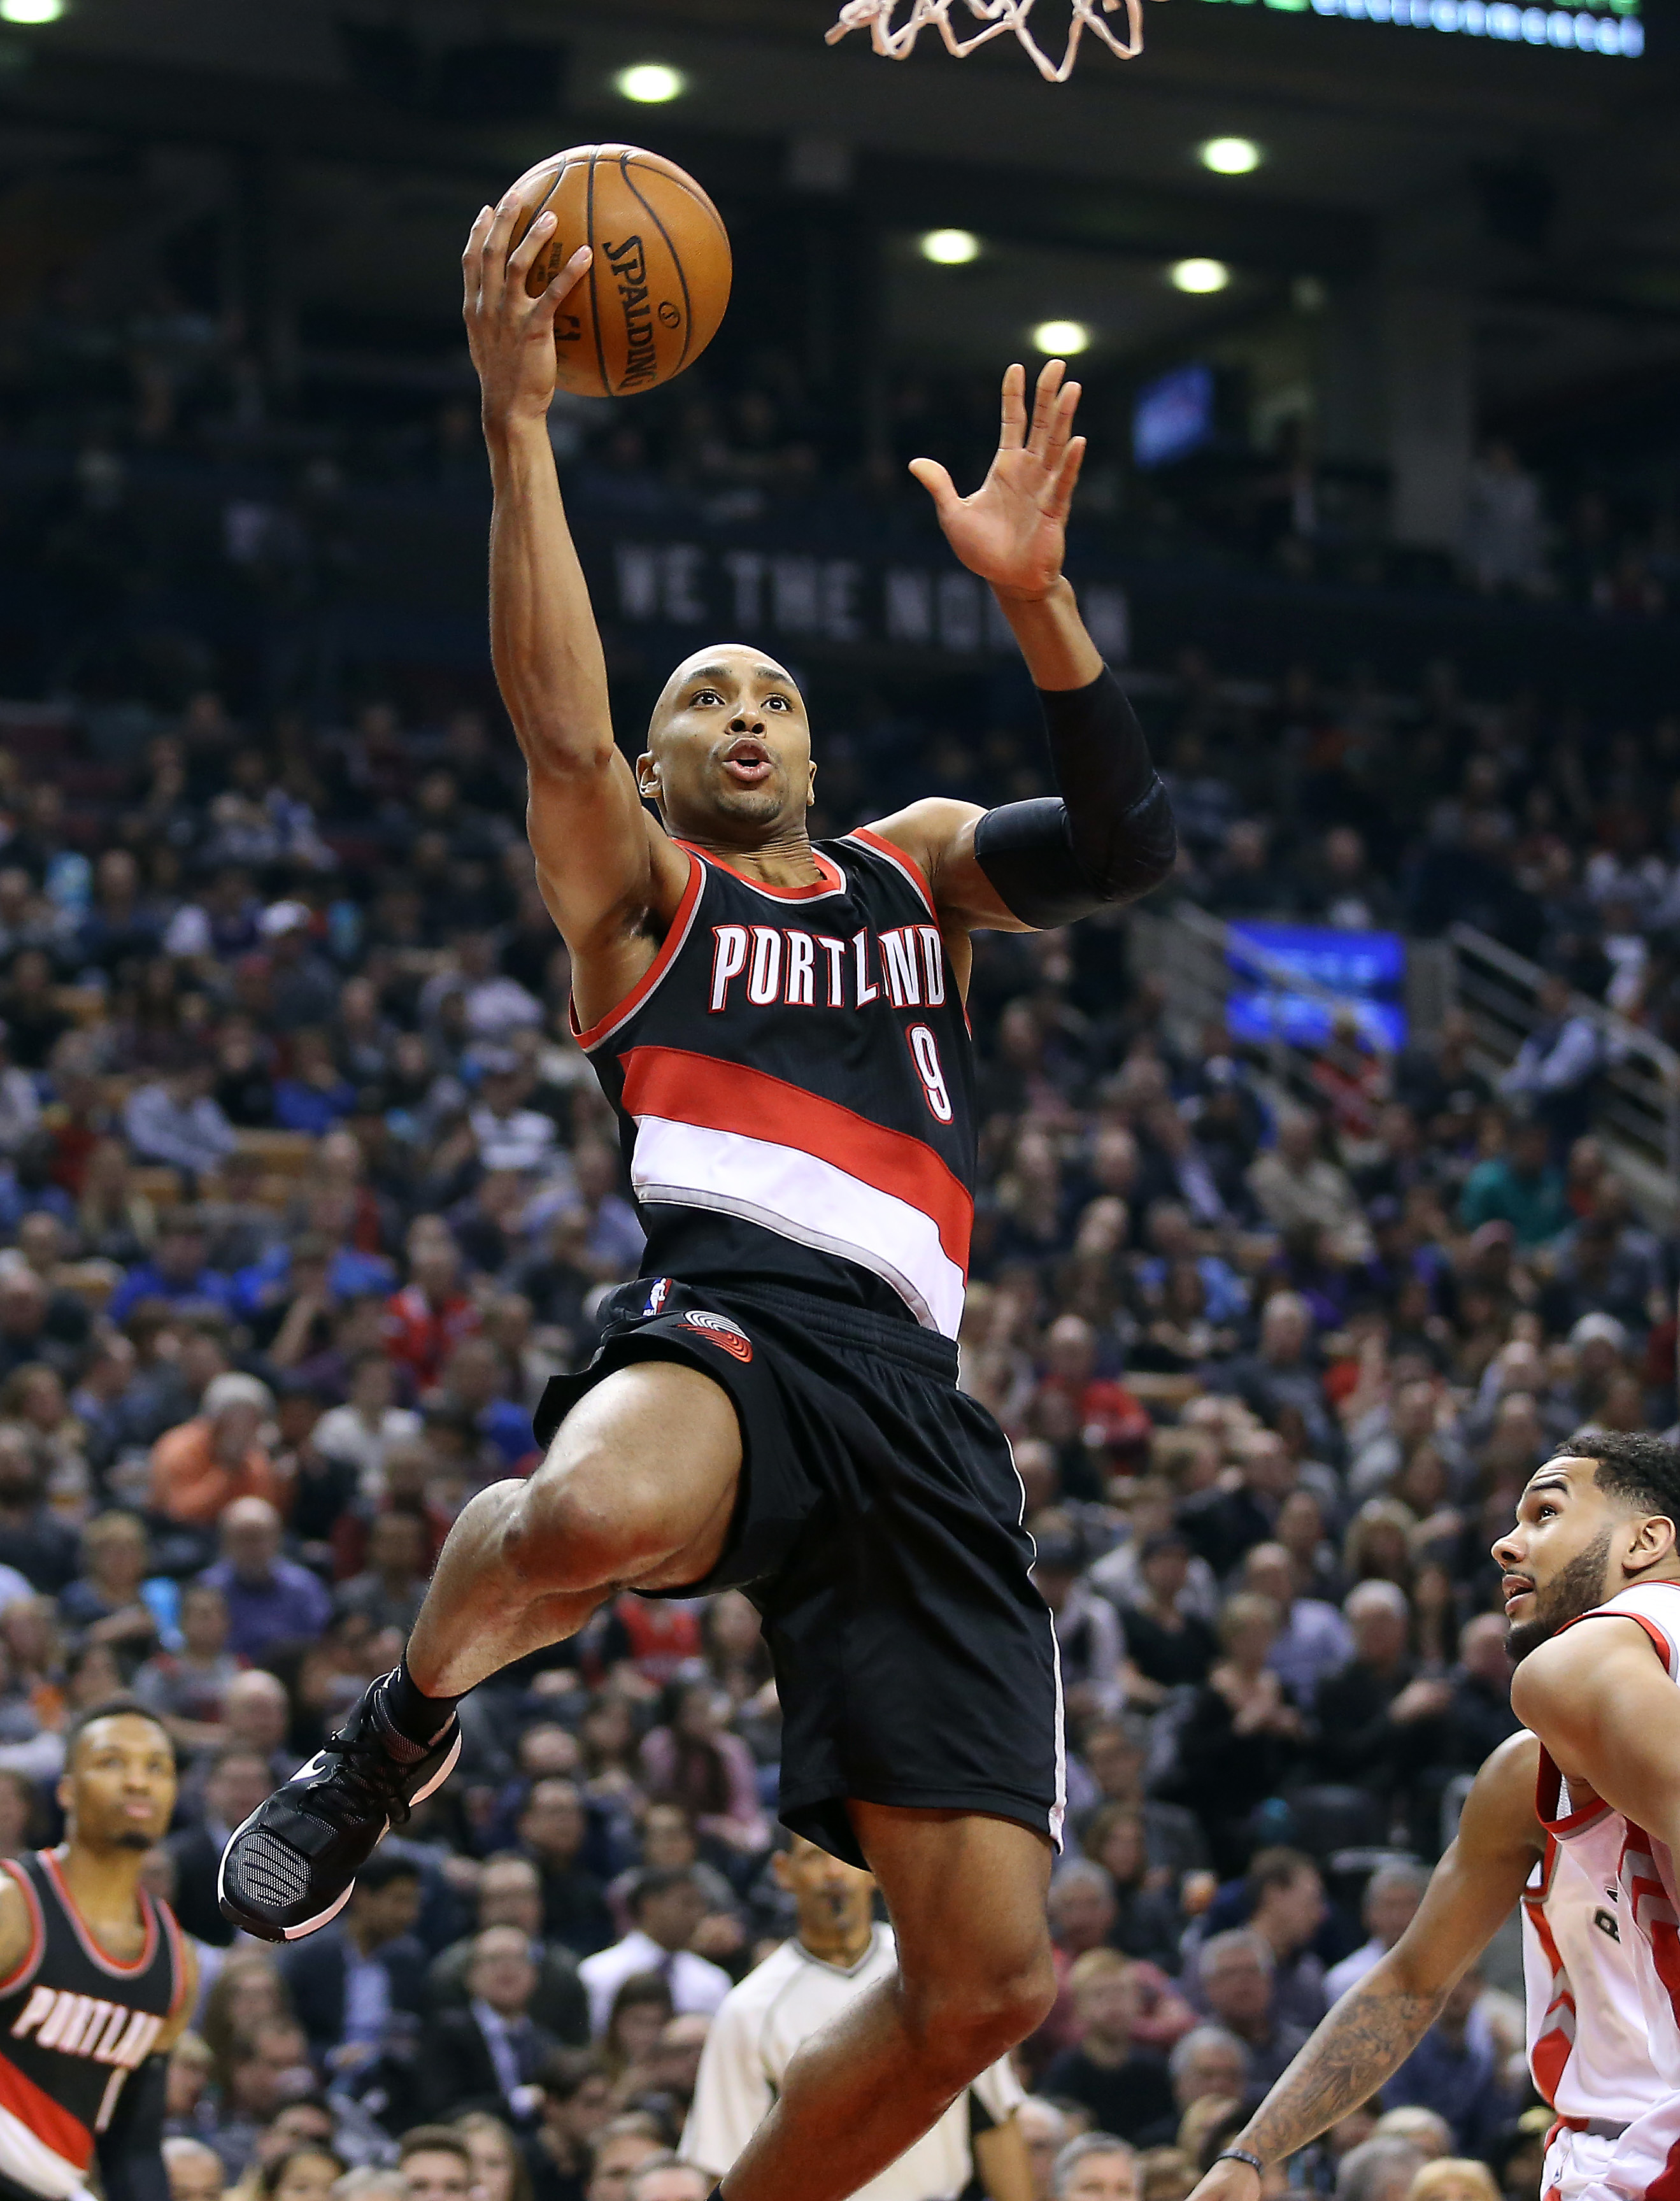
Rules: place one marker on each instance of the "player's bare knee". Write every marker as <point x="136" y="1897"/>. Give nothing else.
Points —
<point x="964" y="2017"/>
<point x="560" y="1535"/>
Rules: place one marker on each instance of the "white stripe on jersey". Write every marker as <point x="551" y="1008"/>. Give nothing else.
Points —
<point x="27" y="2159"/>
<point x="802" y="1198"/>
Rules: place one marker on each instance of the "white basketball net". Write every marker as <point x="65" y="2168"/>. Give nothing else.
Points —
<point x="999" y="17"/>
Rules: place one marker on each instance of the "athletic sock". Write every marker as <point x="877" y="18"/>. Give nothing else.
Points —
<point x="417" y="1718"/>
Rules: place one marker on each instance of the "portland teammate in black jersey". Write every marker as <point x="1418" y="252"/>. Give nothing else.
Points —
<point x="97" y="1981"/>
<point x="780" y="1027"/>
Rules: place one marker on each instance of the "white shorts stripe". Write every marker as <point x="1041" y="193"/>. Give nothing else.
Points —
<point x="813" y="1202"/>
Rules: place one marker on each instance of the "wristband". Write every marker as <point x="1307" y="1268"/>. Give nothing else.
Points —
<point x="1242" y="2155"/>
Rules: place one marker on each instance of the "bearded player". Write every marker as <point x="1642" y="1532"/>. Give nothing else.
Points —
<point x="96" y="1982"/>
<point x="1586" y="2048"/>
<point x="780" y="1028"/>
<point x="1595" y="1540"/>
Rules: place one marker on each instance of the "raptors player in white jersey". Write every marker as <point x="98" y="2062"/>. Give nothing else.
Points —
<point x="1597" y="1541"/>
<point x="1586" y="2028"/>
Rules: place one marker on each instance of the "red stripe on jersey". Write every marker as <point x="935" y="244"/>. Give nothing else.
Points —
<point x="37" y="1928"/>
<point x="726" y="1097"/>
<point x="1548" y="1788"/>
<point x="831" y="881"/>
<point x="1549" y="2056"/>
<point x="1659" y="1642"/>
<point x="894" y="855"/>
<point x="1666" y="2185"/>
<point x="1650" y="1910"/>
<point x="655" y="970"/>
<point x="51" y="2122"/>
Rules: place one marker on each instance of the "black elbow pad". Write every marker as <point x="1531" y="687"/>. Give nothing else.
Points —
<point x="1027" y="852"/>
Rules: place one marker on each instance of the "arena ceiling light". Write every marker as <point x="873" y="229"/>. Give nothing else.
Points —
<point x="31" y="11"/>
<point x="1061" y="338"/>
<point x="650" y="83"/>
<point x="950" y="248"/>
<point x="1229" y="156"/>
<point x="1198" y="276"/>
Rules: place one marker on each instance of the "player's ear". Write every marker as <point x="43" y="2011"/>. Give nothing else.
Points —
<point x="1654" y="1541"/>
<point x="647" y="776"/>
<point x="811" y="786"/>
<point x="779" y="1869"/>
<point x="62" y="1793"/>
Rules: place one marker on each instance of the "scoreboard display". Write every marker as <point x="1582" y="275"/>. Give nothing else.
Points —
<point x="1612" y="28"/>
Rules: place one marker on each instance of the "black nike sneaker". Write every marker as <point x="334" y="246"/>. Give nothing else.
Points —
<point x="292" y="1865"/>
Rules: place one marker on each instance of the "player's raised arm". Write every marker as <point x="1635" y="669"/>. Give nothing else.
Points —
<point x="1109" y="837"/>
<point x="1377" y="2023"/>
<point x="603" y="863"/>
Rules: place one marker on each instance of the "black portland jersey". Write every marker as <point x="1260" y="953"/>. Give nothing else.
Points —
<point x="794" y="1079"/>
<point x="74" y="2024"/>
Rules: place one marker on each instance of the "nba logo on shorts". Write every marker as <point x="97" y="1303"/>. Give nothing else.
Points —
<point x="657" y="1295"/>
<point x="718" y="1330"/>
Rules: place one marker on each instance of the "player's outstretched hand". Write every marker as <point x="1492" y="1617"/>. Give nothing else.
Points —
<point x="512" y="336"/>
<point x="1014" y="529"/>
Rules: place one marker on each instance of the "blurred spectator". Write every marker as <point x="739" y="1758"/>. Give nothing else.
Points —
<point x="1236" y="1971"/>
<point x="202" y="1469"/>
<point x="271" y="1600"/>
<point x="348" y="1981"/>
<point x="1125" y="2089"/>
<point x="488" y="2055"/>
<point x="1388" y="1907"/>
<point x="665" y="1907"/>
<point x="510" y="1893"/>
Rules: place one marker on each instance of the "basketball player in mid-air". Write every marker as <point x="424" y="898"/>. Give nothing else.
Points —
<point x="1562" y="1814"/>
<point x="97" y="1981"/>
<point x="780" y="1027"/>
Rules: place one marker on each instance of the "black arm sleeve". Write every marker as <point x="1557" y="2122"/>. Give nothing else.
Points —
<point x="1110" y="836"/>
<point x="131" y="2147"/>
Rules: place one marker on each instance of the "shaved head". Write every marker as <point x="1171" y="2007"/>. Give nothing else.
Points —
<point x="718" y="661"/>
<point x="728" y="760"/>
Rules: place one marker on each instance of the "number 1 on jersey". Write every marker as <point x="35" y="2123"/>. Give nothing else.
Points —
<point x="925" y="1050"/>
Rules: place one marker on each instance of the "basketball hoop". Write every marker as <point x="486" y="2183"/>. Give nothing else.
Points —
<point x="999" y="16"/>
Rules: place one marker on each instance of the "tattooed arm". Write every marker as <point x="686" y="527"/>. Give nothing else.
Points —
<point x="1377" y="2023"/>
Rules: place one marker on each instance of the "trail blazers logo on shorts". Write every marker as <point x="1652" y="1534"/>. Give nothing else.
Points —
<point x="718" y="1330"/>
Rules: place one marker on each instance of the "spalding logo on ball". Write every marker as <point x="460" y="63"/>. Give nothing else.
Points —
<point x="659" y="282"/>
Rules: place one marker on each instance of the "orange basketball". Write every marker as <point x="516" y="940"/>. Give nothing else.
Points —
<point x="657" y="286"/>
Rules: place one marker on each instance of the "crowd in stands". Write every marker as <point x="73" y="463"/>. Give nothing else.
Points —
<point x="305" y="1192"/>
<point x="129" y="388"/>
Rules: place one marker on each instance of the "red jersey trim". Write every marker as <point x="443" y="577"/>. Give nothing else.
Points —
<point x="177" y="1956"/>
<point x="51" y="2122"/>
<point x="894" y="855"/>
<point x="1547" y="1791"/>
<point x="833" y="879"/>
<point x="1660" y="1643"/>
<point x="91" y="1947"/>
<point x="38" y="1929"/>
<point x="681" y="924"/>
<point x="726" y="1097"/>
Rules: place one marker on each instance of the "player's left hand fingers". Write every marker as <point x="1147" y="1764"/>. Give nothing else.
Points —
<point x="1061" y="425"/>
<point x="1044" y="398"/>
<point x="1013" y="432"/>
<point x="493" y="251"/>
<point x="937" y="481"/>
<point x="1061" y="497"/>
<point x="534" y="237"/>
<point x="565" y="283"/>
<point x="471" y="275"/>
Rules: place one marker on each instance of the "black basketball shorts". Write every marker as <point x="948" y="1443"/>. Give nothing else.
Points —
<point x="879" y="1532"/>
